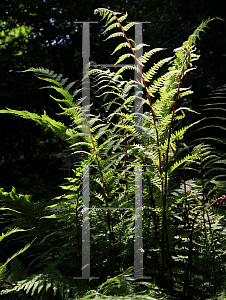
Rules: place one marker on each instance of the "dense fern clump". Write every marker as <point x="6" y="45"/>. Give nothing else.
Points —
<point x="183" y="228"/>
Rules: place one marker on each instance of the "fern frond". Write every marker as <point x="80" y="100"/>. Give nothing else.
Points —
<point x="105" y="13"/>
<point x="151" y="72"/>
<point x="128" y="26"/>
<point x="58" y="128"/>
<point x="114" y="25"/>
<point x="123" y="18"/>
<point x="139" y="46"/>
<point x="2" y="267"/>
<point x="42" y="283"/>
<point x="120" y="46"/>
<point x="123" y="57"/>
<point x="188" y="159"/>
<point x="146" y="56"/>
<point x="18" y="271"/>
<point x="192" y="38"/>
<point x="157" y="84"/>
<point x="113" y="35"/>
<point x="9" y="232"/>
<point x="129" y="67"/>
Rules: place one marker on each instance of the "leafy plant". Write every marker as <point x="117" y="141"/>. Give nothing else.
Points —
<point x="183" y="237"/>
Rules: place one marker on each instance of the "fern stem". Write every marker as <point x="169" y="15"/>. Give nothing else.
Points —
<point x="3" y="282"/>
<point x="149" y="98"/>
<point x="170" y="129"/>
<point x="165" y="182"/>
<point x="99" y="167"/>
<point x="167" y="161"/>
<point x="153" y="117"/>
<point x="188" y="271"/>
<point x="168" y="142"/>
<point x="167" y="156"/>
<point x="157" y="135"/>
<point x="106" y="199"/>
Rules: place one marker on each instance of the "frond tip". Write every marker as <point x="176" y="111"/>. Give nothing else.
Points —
<point x="105" y="13"/>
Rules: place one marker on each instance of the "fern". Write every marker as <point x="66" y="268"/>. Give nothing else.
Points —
<point x="180" y="220"/>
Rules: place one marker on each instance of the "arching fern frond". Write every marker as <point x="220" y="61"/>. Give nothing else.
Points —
<point x="151" y="72"/>
<point x="57" y="127"/>
<point x="147" y="55"/>
<point x="112" y="26"/>
<point x="105" y="13"/>
<point x="192" y="38"/>
<point x="113" y="35"/>
<point x="120" y="46"/>
<point x="2" y="267"/>
<point x="123" y="57"/>
<point x="129" y="67"/>
<point x="128" y="26"/>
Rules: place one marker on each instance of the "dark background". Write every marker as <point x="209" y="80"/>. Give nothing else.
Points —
<point x="30" y="156"/>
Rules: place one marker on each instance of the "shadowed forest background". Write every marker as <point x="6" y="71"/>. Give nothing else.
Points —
<point x="43" y="34"/>
<point x="180" y="194"/>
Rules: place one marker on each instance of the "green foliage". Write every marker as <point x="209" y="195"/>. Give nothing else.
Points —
<point x="183" y="234"/>
<point x="12" y="258"/>
<point x="8" y="36"/>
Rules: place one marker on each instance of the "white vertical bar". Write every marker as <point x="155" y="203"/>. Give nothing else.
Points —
<point x="138" y="105"/>
<point x="86" y="225"/>
<point x="86" y="82"/>
<point x="138" y="243"/>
